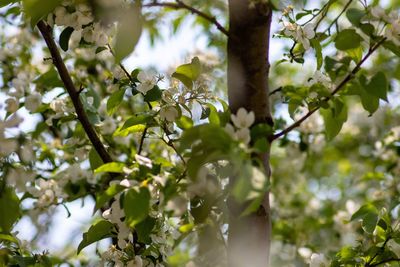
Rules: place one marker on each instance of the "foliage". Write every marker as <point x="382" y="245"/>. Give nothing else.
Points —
<point x="158" y="151"/>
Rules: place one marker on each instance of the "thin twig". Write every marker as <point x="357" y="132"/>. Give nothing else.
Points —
<point x="121" y="65"/>
<point x="142" y="141"/>
<point x="58" y="62"/>
<point x="385" y="261"/>
<point x="180" y="5"/>
<point x="382" y="249"/>
<point x="337" y="18"/>
<point x="348" y="78"/>
<point x="277" y="90"/>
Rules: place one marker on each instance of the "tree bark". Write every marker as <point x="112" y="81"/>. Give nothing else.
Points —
<point x="248" y="68"/>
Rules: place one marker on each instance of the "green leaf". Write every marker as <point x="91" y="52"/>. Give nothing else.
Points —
<point x="363" y="211"/>
<point x="213" y="117"/>
<point x="318" y="52"/>
<point x="100" y="49"/>
<point x="392" y="47"/>
<point x="369" y="215"/>
<point x="7" y="2"/>
<point x="94" y="159"/>
<point x="132" y="129"/>
<point x="115" y="100"/>
<point x="369" y="222"/>
<point x="96" y="232"/>
<point x="128" y="33"/>
<point x="184" y="122"/>
<point x="355" y="54"/>
<point x="153" y="95"/>
<point x="378" y="86"/>
<point x="188" y="73"/>
<point x="9" y="209"/>
<point x="144" y="228"/>
<point x="116" y="167"/>
<point x="369" y="102"/>
<point x="347" y="39"/>
<point x="38" y="9"/>
<point x="334" y="118"/>
<point x="137" y="119"/>
<point x="354" y="15"/>
<point x="64" y="38"/>
<point x="106" y="196"/>
<point x="49" y="79"/>
<point x="8" y="238"/>
<point x="136" y="205"/>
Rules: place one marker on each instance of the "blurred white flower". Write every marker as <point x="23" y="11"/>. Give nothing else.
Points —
<point x="144" y="161"/>
<point x="378" y="12"/>
<point x="108" y="126"/>
<point x="33" y="101"/>
<point x="392" y="33"/>
<point x="299" y="34"/>
<point x="147" y="80"/>
<point x="230" y="130"/>
<point x="12" y="104"/>
<point x="317" y="260"/>
<point x="169" y="113"/>
<point x="304" y="252"/>
<point x="243" y="119"/>
<point x="178" y="205"/>
<point x="243" y="135"/>
<point x="137" y="262"/>
<point x="321" y="78"/>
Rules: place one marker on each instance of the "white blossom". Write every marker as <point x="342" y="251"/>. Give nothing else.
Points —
<point x="243" y="135"/>
<point x="392" y="33"/>
<point x="299" y="34"/>
<point x="320" y="78"/>
<point x="178" y="205"/>
<point x="317" y="260"/>
<point x="12" y="104"/>
<point x="144" y="161"/>
<point x="147" y="81"/>
<point x="108" y="126"/>
<point x="378" y="12"/>
<point x="33" y="101"/>
<point x="169" y="113"/>
<point x="243" y="119"/>
<point x="137" y="262"/>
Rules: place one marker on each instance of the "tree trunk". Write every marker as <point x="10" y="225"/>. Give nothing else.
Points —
<point x="248" y="68"/>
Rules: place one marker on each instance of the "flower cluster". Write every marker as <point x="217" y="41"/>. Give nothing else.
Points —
<point x="299" y="33"/>
<point x="242" y="121"/>
<point x="47" y="192"/>
<point x="392" y="31"/>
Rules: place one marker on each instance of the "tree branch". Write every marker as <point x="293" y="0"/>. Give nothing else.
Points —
<point x="381" y="250"/>
<point x="348" y="78"/>
<point x="385" y="261"/>
<point x="47" y="34"/>
<point x="180" y="5"/>
<point x="337" y="18"/>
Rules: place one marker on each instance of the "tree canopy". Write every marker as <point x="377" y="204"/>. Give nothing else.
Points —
<point x="242" y="155"/>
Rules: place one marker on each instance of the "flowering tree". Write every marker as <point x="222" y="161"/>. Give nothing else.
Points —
<point x="182" y="175"/>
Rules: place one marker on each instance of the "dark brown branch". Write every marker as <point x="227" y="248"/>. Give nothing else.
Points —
<point x="142" y="141"/>
<point x="47" y="34"/>
<point x="180" y="5"/>
<point x="348" y="78"/>
<point x="380" y="251"/>
<point x="277" y="90"/>
<point x="385" y="261"/>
